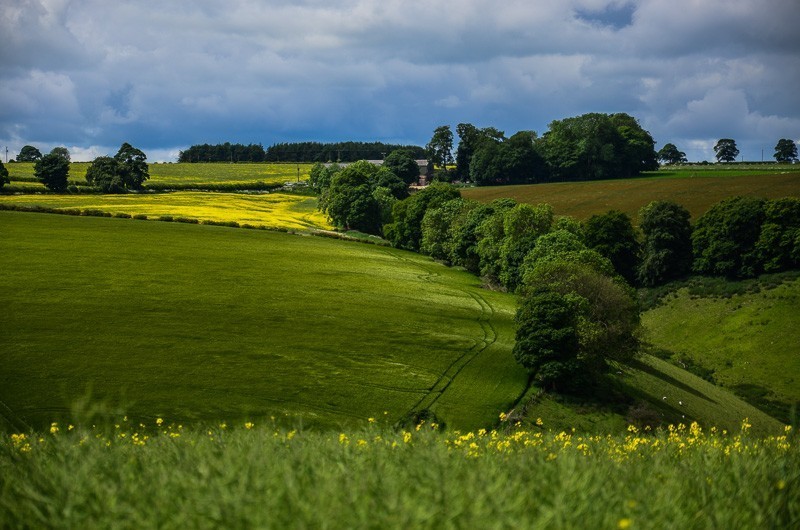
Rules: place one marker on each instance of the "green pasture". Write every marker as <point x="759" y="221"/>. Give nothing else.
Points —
<point x="186" y="174"/>
<point x="746" y="342"/>
<point x="697" y="191"/>
<point x="196" y="322"/>
<point x="274" y="210"/>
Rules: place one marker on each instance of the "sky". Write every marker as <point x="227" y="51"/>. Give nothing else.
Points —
<point x="166" y="74"/>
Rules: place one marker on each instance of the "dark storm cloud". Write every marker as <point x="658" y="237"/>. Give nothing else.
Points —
<point x="164" y="75"/>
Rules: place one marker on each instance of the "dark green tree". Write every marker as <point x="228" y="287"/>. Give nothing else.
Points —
<point x="465" y="233"/>
<point x="785" y="150"/>
<point x="133" y="166"/>
<point x="667" y="245"/>
<point x="52" y="171"/>
<point x="105" y="173"/>
<point x="349" y="200"/>
<point x="547" y="342"/>
<point x="594" y="319"/>
<point x="613" y="236"/>
<point x="62" y="152"/>
<point x="405" y="230"/>
<point x="638" y="147"/>
<point x="385" y="178"/>
<point x="725" y="150"/>
<point x="470" y="138"/>
<point x="778" y="246"/>
<point x="402" y="164"/>
<point x="29" y="154"/>
<point x="596" y="146"/>
<point x="440" y="149"/>
<point x="669" y="154"/>
<point x="724" y="238"/>
<point x="3" y="175"/>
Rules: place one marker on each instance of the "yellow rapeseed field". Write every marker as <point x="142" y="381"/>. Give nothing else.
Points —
<point x="273" y="210"/>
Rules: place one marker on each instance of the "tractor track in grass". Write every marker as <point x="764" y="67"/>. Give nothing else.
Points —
<point x="455" y="368"/>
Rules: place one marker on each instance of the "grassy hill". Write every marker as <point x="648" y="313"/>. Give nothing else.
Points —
<point x="697" y="190"/>
<point x="746" y="342"/>
<point x="195" y="322"/>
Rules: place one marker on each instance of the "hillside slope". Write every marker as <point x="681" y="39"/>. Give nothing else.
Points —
<point x="746" y="342"/>
<point x="205" y="322"/>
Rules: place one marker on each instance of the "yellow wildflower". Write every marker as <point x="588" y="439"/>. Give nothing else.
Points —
<point x="624" y="523"/>
<point x="249" y="425"/>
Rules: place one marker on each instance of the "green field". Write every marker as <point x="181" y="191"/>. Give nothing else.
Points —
<point x="697" y="190"/>
<point x="274" y="210"/>
<point x="231" y="476"/>
<point x="747" y="342"/>
<point x="207" y="322"/>
<point x="188" y="174"/>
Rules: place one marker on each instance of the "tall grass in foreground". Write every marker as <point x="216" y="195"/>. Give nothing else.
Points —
<point x="162" y="476"/>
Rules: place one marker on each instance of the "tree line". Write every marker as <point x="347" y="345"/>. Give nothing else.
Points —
<point x="588" y="147"/>
<point x="578" y="309"/>
<point x="295" y="152"/>
<point x="226" y="152"/>
<point x="337" y="151"/>
<point x="126" y="170"/>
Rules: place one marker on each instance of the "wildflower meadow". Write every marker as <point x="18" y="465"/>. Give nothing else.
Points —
<point x="247" y="475"/>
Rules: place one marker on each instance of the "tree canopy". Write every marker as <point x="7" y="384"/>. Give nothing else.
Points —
<point x="439" y="149"/>
<point x="669" y="154"/>
<point x="597" y="146"/>
<point x="725" y="150"/>
<point x="667" y="246"/>
<point x="127" y="170"/>
<point x="52" y="171"/>
<point x="402" y="163"/>
<point x="613" y="236"/>
<point x="29" y="154"/>
<point x="785" y="150"/>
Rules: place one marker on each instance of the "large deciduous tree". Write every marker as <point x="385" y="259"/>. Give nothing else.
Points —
<point x="29" y="154"/>
<point x="785" y="150"/>
<point x="725" y="150"/>
<point x="669" y="154"/>
<point x="52" y="171"/>
<point x="572" y="321"/>
<point x="402" y="164"/>
<point x="133" y="166"/>
<point x="724" y="238"/>
<point x="405" y="230"/>
<point x="778" y="246"/>
<point x="440" y="148"/>
<point x="127" y="170"/>
<point x="667" y="245"/>
<point x="349" y="200"/>
<point x="63" y="152"/>
<point x="612" y="235"/>
<point x="597" y="146"/>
